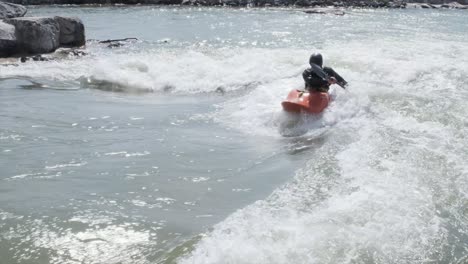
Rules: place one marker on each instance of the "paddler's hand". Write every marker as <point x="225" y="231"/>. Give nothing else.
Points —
<point x="332" y="80"/>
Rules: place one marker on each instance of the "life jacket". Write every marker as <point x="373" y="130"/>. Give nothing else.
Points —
<point x="316" y="79"/>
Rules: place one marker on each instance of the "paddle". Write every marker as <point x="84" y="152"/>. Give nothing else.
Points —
<point x="332" y="80"/>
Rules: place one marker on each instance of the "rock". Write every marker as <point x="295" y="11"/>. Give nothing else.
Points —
<point x="8" y="41"/>
<point x="454" y="5"/>
<point x="220" y="90"/>
<point x="33" y="58"/>
<point x="303" y="3"/>
<point x="116" y="40"/>
<point x="331" y="11"/>
<point x="115" y="43"/>
<point x="202" y="2"/>
<point x="396" y="4"/>
<point x="427" y="6"/>
<point x="72" y="31"/>
<point x="434" y="2"/>
<point x="74" y="53"/>
<point x="273" y="2"/>
<point x="235" y="2"/>
<point x="36" y="34"/>
<point x="8" y="10"/>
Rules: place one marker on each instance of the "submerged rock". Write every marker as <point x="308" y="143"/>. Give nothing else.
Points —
<point x="8" y="10"/>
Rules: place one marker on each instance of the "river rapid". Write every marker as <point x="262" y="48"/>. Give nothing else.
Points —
<point x="173" y="148"/>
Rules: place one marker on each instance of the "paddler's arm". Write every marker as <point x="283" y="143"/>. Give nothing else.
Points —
<point x="338" y="79"/>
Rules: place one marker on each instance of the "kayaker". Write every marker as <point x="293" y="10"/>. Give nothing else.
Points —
<point x="318" y="78"/>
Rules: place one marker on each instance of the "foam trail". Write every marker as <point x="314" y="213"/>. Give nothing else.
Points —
<point x="174" y="70"/>
<point x="379" y="189"/>
<point x="336" y="210"/>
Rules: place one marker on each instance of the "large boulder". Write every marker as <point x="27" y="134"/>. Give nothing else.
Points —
<point x="72" y="31"/>
<point x="7" y="39"/>
<point x="36" y="34"/>
<point x="8" y="10"/>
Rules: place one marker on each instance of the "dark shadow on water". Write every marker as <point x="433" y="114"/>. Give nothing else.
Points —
<point x="114" y="86"/>
<point x="92" y="83"/>
<point x="32" y="84"/>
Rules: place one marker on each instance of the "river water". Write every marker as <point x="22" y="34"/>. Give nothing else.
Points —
<point x="173" y="148"/>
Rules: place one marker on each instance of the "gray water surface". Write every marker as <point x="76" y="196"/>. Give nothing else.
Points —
<point x="174" y="148"/>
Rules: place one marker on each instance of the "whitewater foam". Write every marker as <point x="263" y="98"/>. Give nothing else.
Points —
<point x="377" y="188"/>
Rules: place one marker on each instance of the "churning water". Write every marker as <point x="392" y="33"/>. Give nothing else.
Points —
<point x="174" y="149"/>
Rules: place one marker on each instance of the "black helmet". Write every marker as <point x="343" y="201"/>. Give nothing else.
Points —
<point x="316" y="58"/>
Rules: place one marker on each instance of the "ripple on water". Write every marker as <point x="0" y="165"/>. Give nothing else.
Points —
<point x="127" y="154"/>
<point x="86" y="237"/>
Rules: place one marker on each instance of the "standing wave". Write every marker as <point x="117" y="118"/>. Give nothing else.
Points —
<point x="387" y="186"/>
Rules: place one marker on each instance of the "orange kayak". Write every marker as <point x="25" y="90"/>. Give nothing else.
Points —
<point x="310" y="102"/>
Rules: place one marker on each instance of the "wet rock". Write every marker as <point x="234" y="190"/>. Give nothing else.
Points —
<point x="421" y="5"/>
<point x="116" y="43"/>
<point x="274" y="2"/>
<point x="36" y="34"/>
<point x="329" y="11"/>
<point x="168" y="88"/>
<point x="220" y="90"/>
<point x="304" y="3"/>
<point x="454" y="5"/>
<point x="8" y="10"/>
<point x="202" y="2"/>
<point x="65" y="52"/>
<point x="116" y="40"/>
<point x="396" y="4"/>
<point x="72" y="31"/>
<point x="433" y="2"/>
<point x="33" y="58"/>
<point x="8" y="41"/>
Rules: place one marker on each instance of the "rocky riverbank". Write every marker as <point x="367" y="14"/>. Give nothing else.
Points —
<point x="307" y="3"/>
<point x="298" y="3"/>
